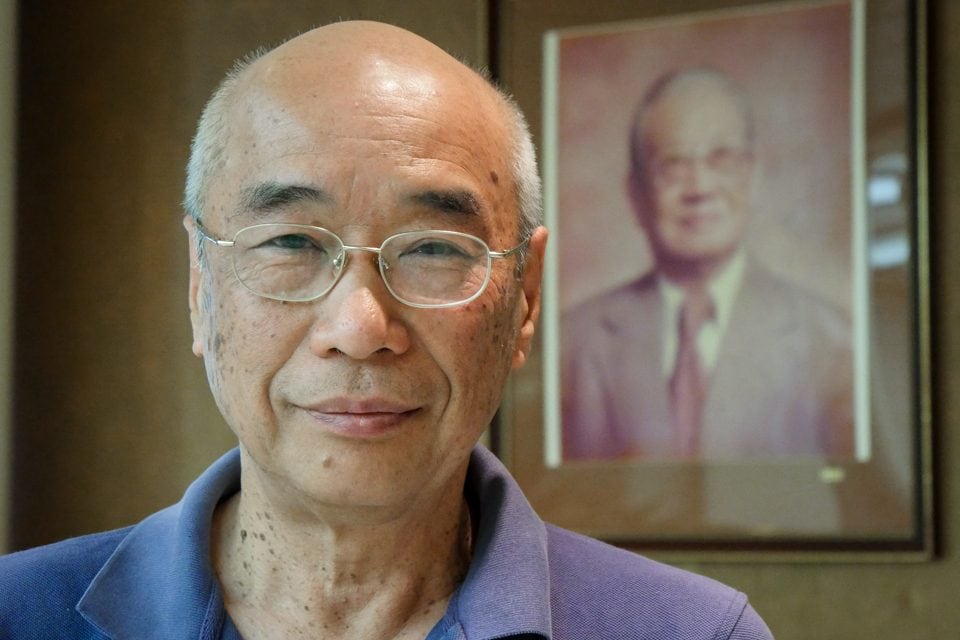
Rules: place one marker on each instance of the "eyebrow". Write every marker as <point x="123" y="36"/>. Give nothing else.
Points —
<point x="448" y="201"/>
<point x="270" y="196"/>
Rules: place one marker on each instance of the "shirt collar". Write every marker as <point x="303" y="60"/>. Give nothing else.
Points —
<point x="723" y="289"/>
<point x="507" y="588"/>
<point x="160" y="583"/>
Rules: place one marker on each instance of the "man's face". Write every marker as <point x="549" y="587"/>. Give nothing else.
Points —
<point x="356" y="399"/>
<point x="693" y="198"/>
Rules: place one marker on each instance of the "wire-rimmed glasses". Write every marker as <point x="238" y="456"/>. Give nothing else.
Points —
<point x="300" y="263"/>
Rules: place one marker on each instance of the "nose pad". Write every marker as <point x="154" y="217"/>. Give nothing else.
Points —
<point x="358" y="318"/>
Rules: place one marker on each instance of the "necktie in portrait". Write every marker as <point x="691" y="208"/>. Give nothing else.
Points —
<point x="689" y="382"/>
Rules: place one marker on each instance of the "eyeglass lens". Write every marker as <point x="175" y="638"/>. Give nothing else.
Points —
<point x="298" y="262"/>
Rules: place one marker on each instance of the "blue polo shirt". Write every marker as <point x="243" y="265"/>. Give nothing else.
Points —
<point x="526" y="579"/>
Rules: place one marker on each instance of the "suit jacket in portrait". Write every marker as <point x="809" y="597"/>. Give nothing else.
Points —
<point x="781" y="386"/>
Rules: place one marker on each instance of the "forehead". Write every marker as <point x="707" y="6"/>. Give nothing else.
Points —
<point x="373" y="132"/>
<point x="695" y="115"/>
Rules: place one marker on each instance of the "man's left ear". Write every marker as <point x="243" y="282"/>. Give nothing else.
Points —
<point x="531" y="283"/>
<point x="193" y="292"/>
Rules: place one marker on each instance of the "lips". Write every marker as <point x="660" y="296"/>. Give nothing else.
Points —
<point x="361" y="418"/>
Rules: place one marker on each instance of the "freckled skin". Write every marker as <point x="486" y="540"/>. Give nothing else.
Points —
<point x="256" y="382"/>
<point x="392" y="116"/>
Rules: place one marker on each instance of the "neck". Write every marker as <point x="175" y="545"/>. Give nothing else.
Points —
<point x="283" y="574"/>
<point x="691" y="274"/>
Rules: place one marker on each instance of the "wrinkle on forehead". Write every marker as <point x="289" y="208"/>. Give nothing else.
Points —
<point x="375" y="98"/>
<point x="382" y="85"/>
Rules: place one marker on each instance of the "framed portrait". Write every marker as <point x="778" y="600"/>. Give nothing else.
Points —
<point x="735" y="338"/>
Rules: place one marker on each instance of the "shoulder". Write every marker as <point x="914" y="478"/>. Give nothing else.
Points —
<point x="783" y="298"/>
<point x="41" y="586"/>
<point x="607" y="309"/>
<point x="613" y="593"/>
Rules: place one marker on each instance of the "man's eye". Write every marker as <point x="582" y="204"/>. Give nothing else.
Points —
<point x="722" y="156"/>
<point x="671" y="164"/>
<point x="435" y="249"/>
<point x="291" y="241"/>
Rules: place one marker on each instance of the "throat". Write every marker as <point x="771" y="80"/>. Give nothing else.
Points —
<point x="277" y="586"/>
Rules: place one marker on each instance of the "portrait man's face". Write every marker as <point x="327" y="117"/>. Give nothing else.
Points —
<point x="356" y="399"/>
<point x="693" y="196"/>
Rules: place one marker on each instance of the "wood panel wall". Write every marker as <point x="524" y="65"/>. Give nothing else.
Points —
<point x="112" y="415"/>
<point x="8" y="52"/>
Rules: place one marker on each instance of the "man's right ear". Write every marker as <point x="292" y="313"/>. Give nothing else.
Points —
<point x="196" y="276"/>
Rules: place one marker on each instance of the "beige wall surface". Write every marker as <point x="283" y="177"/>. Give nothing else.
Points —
<point x="7" y="156"/>
<point x="112" y="416"/>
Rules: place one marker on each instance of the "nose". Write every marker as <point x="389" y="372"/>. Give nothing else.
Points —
<point x="699" y="181"/>
<point x="357" y="318"/>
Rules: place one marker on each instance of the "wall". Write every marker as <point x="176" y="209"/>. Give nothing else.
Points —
<point x="7" y="156"/>
<point x="112" y="413"/>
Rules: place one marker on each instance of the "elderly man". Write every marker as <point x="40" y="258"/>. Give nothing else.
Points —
<point x="709" y="355"/>
<point x="366" y="255"/>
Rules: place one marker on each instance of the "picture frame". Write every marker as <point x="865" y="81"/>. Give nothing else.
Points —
<point x="836" y="101"/>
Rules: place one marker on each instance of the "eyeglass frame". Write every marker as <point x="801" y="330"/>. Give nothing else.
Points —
<point x="676" y="167"/>
<point x="205" y="234"/>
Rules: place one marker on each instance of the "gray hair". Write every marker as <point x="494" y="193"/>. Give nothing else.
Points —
<point x="210" y="140"/>
<point x="209" y="144"/>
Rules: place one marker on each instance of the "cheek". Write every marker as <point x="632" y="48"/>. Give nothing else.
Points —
<point x="665" y="203"/>
<point x="484" y="348"/>
<point x="241" y="342"/>
<point x="740" y="195"/>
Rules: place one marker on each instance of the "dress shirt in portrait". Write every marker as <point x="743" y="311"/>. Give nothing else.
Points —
<point x="723" y="289"/>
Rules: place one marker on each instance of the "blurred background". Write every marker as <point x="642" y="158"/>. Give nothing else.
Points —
<point x="105" y="415"/>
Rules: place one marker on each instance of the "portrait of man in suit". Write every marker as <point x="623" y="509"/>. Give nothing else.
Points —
<point x="709" y="355"/>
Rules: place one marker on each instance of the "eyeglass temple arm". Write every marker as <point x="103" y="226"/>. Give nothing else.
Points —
<point x="206" y="236"/>
<point x="509" y="252"/>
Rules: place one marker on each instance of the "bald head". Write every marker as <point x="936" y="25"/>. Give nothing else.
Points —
<point x="365" y="56"/>
<point x="349" y="67"/>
